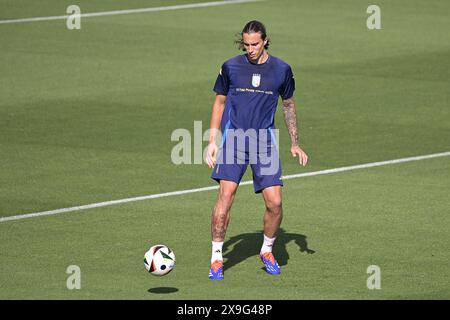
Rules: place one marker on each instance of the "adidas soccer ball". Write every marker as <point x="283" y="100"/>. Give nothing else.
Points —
<point x="159" y="260"/>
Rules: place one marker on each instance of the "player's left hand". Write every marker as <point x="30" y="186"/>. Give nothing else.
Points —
<point x="302" y="156"/>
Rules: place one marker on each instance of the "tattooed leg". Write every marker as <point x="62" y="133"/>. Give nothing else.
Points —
<point x="220" y="217"/>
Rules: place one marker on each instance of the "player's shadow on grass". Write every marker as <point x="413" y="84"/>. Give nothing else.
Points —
<point x="249" y="244"/>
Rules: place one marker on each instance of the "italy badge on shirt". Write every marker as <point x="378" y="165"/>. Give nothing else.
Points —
<point x="256" y="79"/>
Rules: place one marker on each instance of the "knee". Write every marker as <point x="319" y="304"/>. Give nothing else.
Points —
<point x="274" y="206"/>
<point x="226" y="196"/>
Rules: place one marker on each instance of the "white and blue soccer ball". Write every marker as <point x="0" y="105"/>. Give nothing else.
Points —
<point x="159" y="260"/>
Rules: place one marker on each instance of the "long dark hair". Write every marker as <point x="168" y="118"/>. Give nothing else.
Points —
<point x="251" y="27"/>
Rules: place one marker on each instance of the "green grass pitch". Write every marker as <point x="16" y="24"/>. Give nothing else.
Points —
<point x="86" y="116"/>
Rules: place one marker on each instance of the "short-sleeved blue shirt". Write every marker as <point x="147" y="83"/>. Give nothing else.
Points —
<point x="252" y="91"/>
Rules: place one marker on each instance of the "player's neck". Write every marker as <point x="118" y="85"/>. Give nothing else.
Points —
<point x="262" y="58"/>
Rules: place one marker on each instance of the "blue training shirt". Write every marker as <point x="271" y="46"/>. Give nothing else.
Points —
<point x="252" y="91"/>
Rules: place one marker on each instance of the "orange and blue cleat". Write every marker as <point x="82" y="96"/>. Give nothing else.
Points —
<point x="271" y="264"/>
<point x="216" y="271"/>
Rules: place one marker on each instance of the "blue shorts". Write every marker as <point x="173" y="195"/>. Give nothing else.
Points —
<point x="266" y="167"/>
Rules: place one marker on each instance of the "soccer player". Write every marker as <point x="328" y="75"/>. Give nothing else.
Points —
<point x="247" y="91"/>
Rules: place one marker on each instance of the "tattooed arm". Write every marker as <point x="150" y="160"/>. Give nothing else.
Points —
<point x="290" y="117"/>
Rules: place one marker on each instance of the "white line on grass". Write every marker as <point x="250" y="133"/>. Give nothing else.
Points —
<point x="141" y="10"/>
<point x="177" y="193"/>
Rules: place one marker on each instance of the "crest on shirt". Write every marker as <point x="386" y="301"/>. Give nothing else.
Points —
<point x="256" y="80"/>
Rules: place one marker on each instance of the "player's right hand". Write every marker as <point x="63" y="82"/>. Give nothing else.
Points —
<point x="211" y="154"/>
